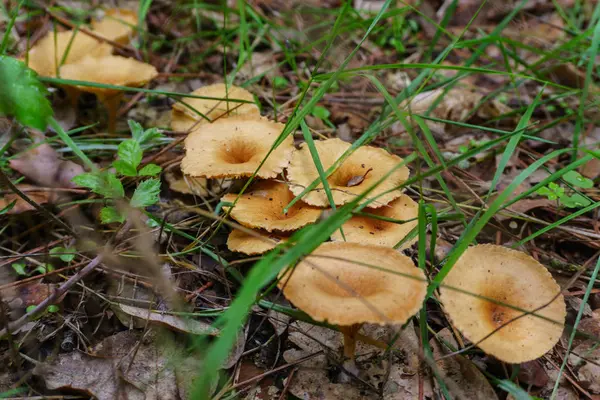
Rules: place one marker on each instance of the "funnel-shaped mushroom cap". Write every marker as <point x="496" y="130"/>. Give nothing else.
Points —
<point x="357" y="173"/>
<point x="368" y="230"/>
<point x="117" y="25"/>
<point x="510" y="277"/>
<point x="338" y="284"/>
<point x="181" y="122"/>
<point x="262" y="207"/>
<point x="112" y="70"/>
<point x="259" y="243"/>
<point x="219" y="106"/>
<point x="44" y="56"/>
<point x="235" y="147"/>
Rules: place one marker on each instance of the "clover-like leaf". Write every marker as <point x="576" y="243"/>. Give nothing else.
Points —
<point x="576" y="179"/>
<point x="22" y="95"/>
<point x="575" y="200"/>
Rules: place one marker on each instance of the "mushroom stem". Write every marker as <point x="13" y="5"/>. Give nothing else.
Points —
<point x="350" y="335"/>
<point x="111" y="103"/>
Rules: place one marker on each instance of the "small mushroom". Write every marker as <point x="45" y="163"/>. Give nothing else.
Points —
<point x="117" y="25"/>
<point x="368" y="230"/>
<point x="234" y="148"/>
<point x="338" y="283"/>
<point x="259" y="243"/>
<point x="262" y="206"/>
<point x="112" y="70"/>
<point x="45" y="56"/>
<point x="215" y="106"/>
<point x="510" y="277"/>
<point x="186" y="185"/>
<point x="359" y="171"/>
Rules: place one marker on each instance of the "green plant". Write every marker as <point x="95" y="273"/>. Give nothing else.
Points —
<point x="21" y="269"/>
<point x="569" y="198"/>
<point x="108" y="185"/>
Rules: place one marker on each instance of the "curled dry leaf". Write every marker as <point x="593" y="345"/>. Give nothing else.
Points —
<point x="42" y="165"/>
<point x="122" y="367"/>
<point x="40" y="196"/>
<point x="174" y="322"/>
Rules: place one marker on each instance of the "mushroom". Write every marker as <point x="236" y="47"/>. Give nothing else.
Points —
<point x="117" y="25"/>
<point x="338" y="283"/>
<point x="112" y="70"/>
<point x="359" y="171"/>
<point x="235" y="147"/>
<point x="44" y="57"/>
<point x="510" y="277"/>
<point x="367" y="230"/>
<point x="262" y="207"/>
<point x="258" y="243"/>
<point x="217" y="106"/>
<point x="186" y="185"/>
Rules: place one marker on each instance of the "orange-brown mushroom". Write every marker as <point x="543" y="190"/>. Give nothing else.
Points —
<point x="117" y="25"/>
<point x="111" y="70"/>
<point x="511" y="278"/>
<point x="235" y="147"/>
<point x="253" y="244"/>
<point x="381" y="232"/>
<point x="359" y="171"/>
<point x="349" y="284"/>
<point x="262" y="206"/>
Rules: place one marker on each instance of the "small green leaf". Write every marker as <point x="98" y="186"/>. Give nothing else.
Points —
<point x="102" y="183"/>
<point x="279" y="82"/>
<point x="66" y="254"/>
<point x="150" y="170"/>
<point x="146" y="193"/>
<point x="19" y="268"/>
<point x="136" y="129"/>
<point x="8" y="207"/>
<point x="52" y="308"/>
<point x="30" y="308"/>
<point x="576" y="179"/>
<point x="574" y="201"/>
<point x="143" y="136"/>
<point x="44" y="268"/>
<point x="131" y="153"/>
<point x="23" y="96"/>
<point x="320" y="112"/>
<point x="124" y="168"/>
<point x="109" y="215"/>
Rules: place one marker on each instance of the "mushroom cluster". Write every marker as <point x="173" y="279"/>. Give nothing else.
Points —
<point x="77" y="55"/>
<point x="228" y="138"/>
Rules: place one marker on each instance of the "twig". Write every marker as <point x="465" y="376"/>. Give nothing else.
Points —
<point x="57" y="294"/>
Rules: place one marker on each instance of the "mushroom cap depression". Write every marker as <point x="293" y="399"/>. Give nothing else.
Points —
<point x="363" y="229"/>
<point x="330" y="285"/>
<point x="112" y="70"/>
<point x="262" y="207"/>
<point x="251" y="245"/>
<point x="360" y="170"/>
<point x="43" y="57"/>
<point x="235" y="147"/>
<point x="117" y="25"/>
<point x="511" y="277"/>
<point x="218" y="107"/>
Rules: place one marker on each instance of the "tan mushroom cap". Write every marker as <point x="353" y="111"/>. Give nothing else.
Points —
<point x="367" y="230"/>
<point x="235" y="147"/>
<point x="330" y="286"/>
<point x="259" y="243"/>
<point x="511" y="277"/>
<point x="186" y="184"/>
<point x="117" y="25"/>
<point x="112" y="70"/>
<point x="262" y="207"/>
<point x="44" y="56"/>
<point x="218" y="107"/>
<point x="357" y="173"/>
<point x="181" y="122"/>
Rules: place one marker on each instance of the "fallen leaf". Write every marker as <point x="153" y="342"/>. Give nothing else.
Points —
<point x="533" y="373"/>
<point x="460" y="371"/>
<point x="174" y="322"/>
<point x="524" y="205"/>
<point x="358" y="179"/>
<point x="585" y="361"/>
<point x="42" y="165"/>
<point x="314" y="384"/>
<point x="39" y="196"/>
<point x="122" y="367"/>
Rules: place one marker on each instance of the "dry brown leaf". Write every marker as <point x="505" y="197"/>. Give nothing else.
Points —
<point x="40" y="196"/>
<point x="461" y="371"/>
<point x="585" y="361"/>
<point x="121" y="367"/>
<point x="174" y="322"/>
<point x="43" y="165"/>
<point x="314" y="384"/>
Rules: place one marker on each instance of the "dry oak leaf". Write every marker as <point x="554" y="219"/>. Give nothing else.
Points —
<point x="42" y="165"/>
